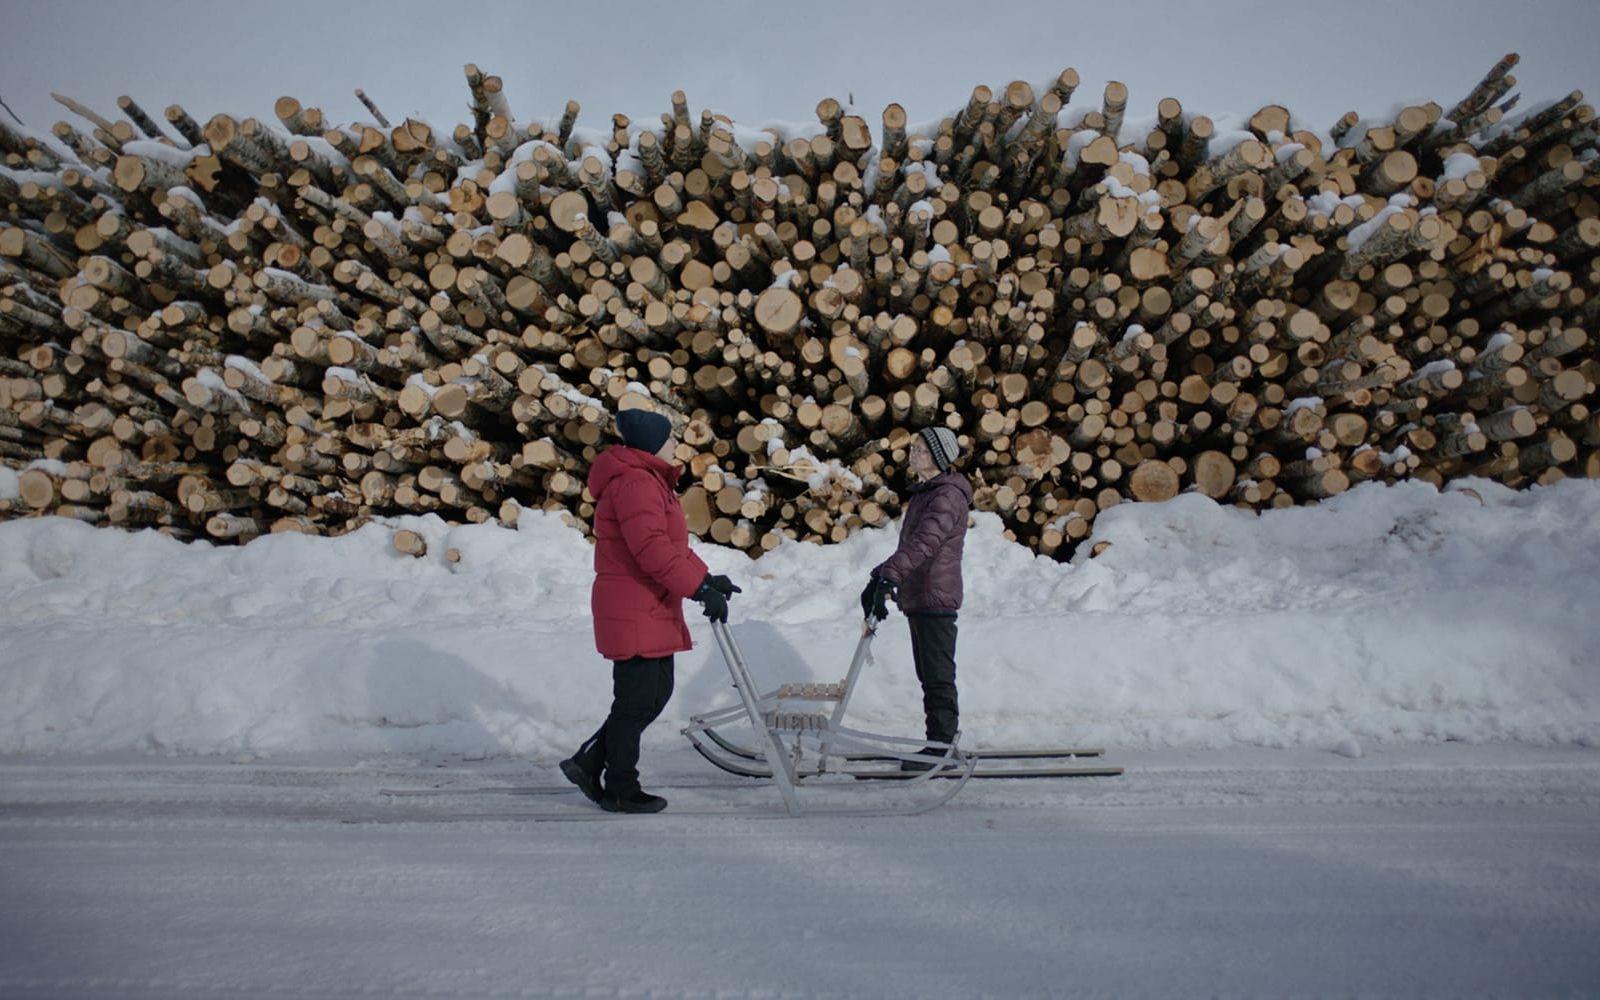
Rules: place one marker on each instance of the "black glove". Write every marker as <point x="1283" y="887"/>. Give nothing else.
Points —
<point x="713" y="600"/>
<point x="721" y="583"/>
<point x="875" y="599"/>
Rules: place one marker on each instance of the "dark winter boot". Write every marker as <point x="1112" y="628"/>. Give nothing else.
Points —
<point x="588" y="782"/>
<point x="925" y="765"/>
<point x="635" y="800"/>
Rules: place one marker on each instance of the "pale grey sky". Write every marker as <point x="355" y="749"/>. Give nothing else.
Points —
<point x="760" y="61"/>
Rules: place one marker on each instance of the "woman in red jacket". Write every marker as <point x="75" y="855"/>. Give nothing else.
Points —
<point x="643" y="571"/>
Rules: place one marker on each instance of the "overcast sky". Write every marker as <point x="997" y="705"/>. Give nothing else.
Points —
<point x="761" y="61"/>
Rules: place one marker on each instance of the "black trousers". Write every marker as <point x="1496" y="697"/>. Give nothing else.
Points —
<point x="640" y="689"/>
<point x="933" y="648"/>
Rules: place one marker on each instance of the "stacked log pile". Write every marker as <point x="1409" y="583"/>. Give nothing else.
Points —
<point x="237" y="327"/>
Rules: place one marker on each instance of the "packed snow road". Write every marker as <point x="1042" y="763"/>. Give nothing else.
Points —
<point x="1446" y="870"/>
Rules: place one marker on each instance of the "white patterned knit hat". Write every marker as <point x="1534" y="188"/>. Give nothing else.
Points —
<point x="941" y="442"/>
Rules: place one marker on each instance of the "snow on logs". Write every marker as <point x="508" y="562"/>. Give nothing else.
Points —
<point x="240" y="326"/>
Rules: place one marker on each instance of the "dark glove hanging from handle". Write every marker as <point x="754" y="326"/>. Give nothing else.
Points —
<point x="713" y="596"/>
<point x="875" y="599"/>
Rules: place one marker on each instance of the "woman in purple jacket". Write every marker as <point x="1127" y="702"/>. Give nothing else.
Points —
<point x="924" y="576"/>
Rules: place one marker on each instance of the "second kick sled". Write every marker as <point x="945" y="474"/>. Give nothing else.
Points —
<point x="818" y="743"/>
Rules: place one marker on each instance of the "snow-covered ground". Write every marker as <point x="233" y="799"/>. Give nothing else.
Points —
<point x="1389" y="615"/>
<point x="1361" y="741"/>
<point x="1449" y="870"/>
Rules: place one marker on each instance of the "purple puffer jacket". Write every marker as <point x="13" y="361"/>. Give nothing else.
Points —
<point x="927" y="565"/>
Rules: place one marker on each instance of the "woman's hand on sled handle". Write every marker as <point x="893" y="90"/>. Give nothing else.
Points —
<point x="713" y="596"/>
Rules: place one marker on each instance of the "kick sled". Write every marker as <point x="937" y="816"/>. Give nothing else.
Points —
<point x="793" y="744"/>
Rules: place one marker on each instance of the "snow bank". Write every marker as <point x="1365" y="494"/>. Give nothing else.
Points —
<point x="1391" y="614"/>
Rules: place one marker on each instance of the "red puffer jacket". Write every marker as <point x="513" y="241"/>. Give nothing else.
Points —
<point x="642" y="563"/>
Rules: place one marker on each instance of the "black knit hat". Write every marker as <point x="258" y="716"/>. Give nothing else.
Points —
<point x="646" y="430"/>
<point x="941" y="442"/>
